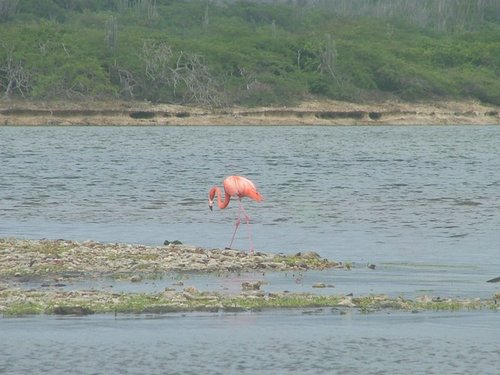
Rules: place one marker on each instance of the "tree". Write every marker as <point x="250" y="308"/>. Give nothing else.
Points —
<point x="328" y="58"/>
<point x="13" y="76"/>
<point x="188" y="77"/>
<point x="111" y="36"/>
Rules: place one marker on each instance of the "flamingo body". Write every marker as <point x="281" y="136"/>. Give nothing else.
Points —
<point x="235" y="186"/>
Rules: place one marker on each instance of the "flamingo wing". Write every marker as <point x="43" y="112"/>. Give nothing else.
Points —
<point x="237" y="186"/>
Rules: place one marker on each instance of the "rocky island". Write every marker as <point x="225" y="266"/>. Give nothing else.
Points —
<point x="45" y="277"/>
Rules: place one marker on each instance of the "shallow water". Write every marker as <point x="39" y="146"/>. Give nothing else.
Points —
<point x="392" y="280"/>
<point x="312" y="342"/>
<point x="421" y="203"/>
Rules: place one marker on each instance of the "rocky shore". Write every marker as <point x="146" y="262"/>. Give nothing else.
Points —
<point x="90" y="259"/>
<point x="37" y="277"/>
<point x="312" y="112"/>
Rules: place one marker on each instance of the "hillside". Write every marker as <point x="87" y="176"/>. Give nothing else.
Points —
<point x="225" y="54"/>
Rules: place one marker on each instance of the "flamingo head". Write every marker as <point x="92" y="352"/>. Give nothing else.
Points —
<point x="211" y="195"/>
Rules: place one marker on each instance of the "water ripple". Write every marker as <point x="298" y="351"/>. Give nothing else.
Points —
<point x="407" y="185"/>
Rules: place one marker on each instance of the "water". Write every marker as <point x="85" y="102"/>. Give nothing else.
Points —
<point x="415" y="194"/>
<point x="422" y="203"/>
<point x="319" y="342"/>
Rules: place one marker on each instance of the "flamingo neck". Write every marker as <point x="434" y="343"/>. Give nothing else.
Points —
<point x="216" y="191"/>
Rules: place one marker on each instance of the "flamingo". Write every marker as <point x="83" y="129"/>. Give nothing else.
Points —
<point x="236" y="186"/>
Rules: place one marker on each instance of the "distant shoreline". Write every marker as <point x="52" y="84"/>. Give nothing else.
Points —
<point x="119" y="113"/>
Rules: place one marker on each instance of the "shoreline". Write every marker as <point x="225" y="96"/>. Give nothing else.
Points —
<point x="32" y="259"/>
<point x="48" y="277"/>
<point x="326" y="112"/>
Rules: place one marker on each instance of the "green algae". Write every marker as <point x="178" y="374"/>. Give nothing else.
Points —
<point x="299" y="261"/>
<point x="282" y="301"/>
<point x="18" y="303"/>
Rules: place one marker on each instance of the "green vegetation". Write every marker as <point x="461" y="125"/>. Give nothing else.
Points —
<point x="222" y="53"/>
<point x="305" y="261"/>
<point x="281" y="301"/>
<point x="17" y="302"/>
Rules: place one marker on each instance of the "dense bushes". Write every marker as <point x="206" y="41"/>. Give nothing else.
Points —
<point x="221" y="53"/>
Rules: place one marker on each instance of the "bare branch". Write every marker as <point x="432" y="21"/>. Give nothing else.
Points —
<point x="111" y="36"/>
<point x="127" y="82"/>
<point x="189" y="76"/>
<point x="13" y="76"/>
<point x="328" y="57"/>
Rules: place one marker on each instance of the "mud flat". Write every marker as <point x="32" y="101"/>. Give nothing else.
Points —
<point x="33" y="272"/>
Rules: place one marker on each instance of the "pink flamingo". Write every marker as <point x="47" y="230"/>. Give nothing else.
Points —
<point x="236" y="186"/>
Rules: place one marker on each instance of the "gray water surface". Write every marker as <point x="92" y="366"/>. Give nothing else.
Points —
<point x="399" y="194"/>
<point x="315" y="342"/>
<point x="422" y="203"/>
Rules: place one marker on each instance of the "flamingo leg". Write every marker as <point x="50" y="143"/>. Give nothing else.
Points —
<point x="236" y="225"/>
<point x="247" y="220"/>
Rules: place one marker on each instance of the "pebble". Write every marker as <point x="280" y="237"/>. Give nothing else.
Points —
<point x="310" y="255"/>
<point x="248" y="285"/>
<point x="322" y="285"/>
<point x="136" y="278"/>
<point x="347" y="302"/>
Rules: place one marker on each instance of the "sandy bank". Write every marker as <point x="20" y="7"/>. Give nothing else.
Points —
<point x="306" y="113"/>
